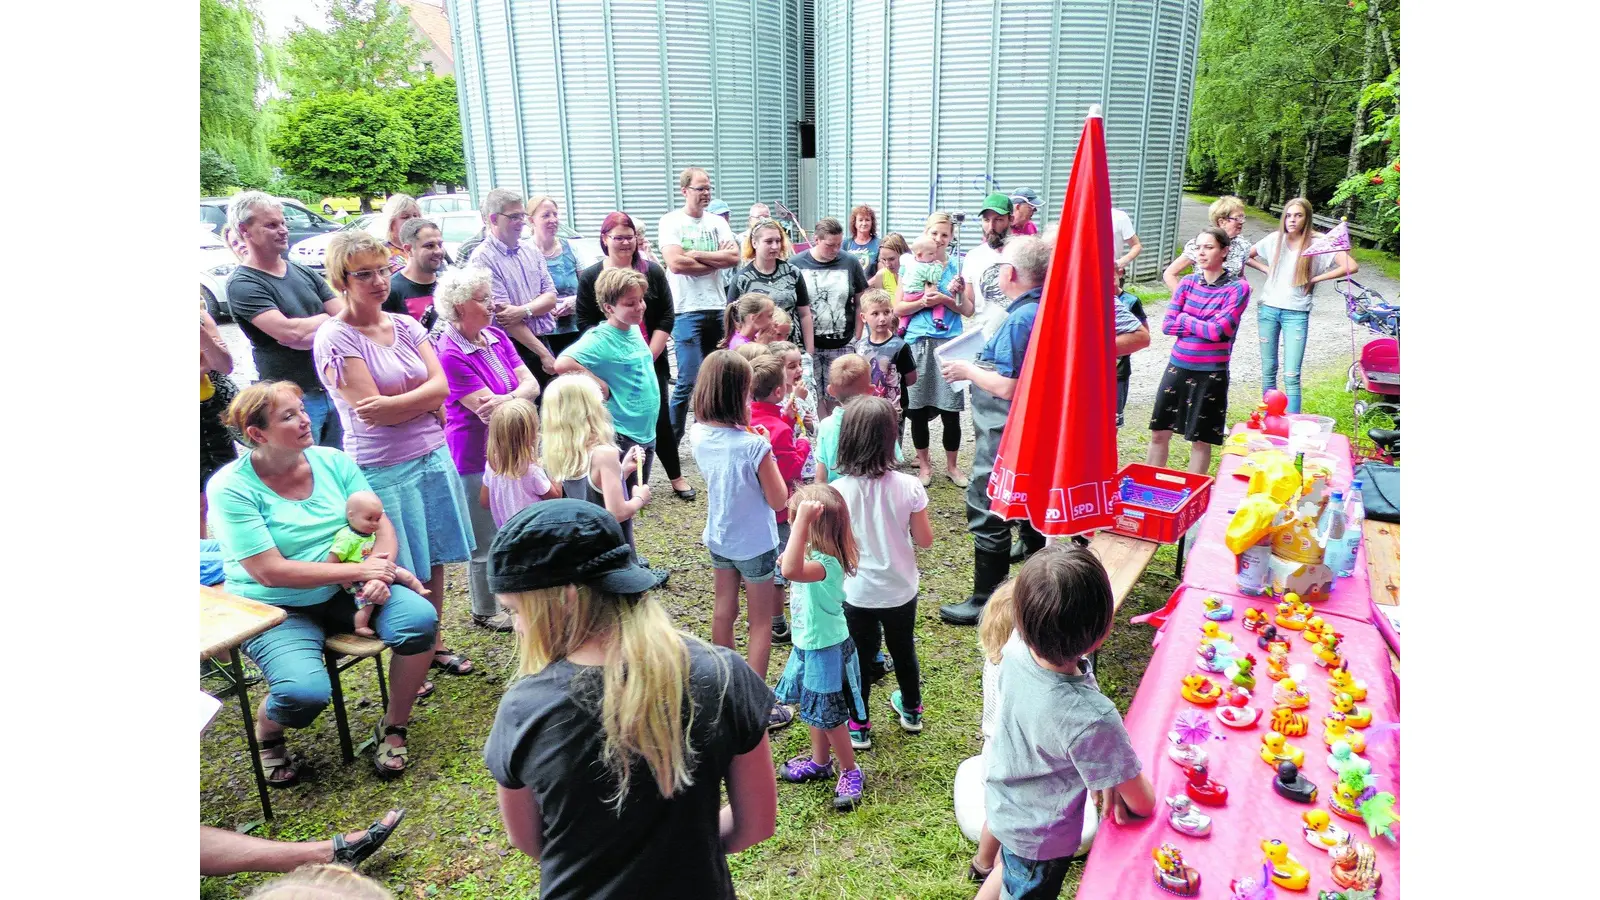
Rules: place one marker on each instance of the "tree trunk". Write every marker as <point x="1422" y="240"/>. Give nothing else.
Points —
<point x="1357" y="130"/>
<point x="1283" y="173"/>
<point x="1313" y="142"/>
<point x="366" y="205"/>
<point x="1263" y="196"/>
<point x="1388" y="42"/>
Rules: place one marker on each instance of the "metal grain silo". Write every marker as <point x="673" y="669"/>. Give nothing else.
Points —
<point x="600" y="103"/>
<point x="1023" y="71"/>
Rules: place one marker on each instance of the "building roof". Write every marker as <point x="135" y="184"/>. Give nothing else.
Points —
<point x="429" y="18"/>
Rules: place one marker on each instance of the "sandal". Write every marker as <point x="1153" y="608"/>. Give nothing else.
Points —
<point x="454" y="663"/>
<point x="426" y="690"/>
<point x="270" y="764"/>
<point x="386" y="751"/>
<point x="350" y="854"/>
<point x="976" y="874"/>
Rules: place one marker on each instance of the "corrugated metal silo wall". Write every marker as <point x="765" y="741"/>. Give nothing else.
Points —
<point x="600" y="103"/>
<point x="1005" y="85"/>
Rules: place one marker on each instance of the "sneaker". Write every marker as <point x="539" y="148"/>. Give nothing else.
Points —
<point x="885" y="663"/>
<point x="910" y="719"/>
<point x="847" y="793"/>
<point x="661" y="576"/>
<point x="803" y="768"/>
<point x="780" y="632"/>
<point x="779" y="716"/>
<point x="860" y="735"/>
<point x="500" y="621"/>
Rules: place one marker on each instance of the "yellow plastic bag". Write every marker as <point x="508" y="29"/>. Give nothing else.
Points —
<point x="1274" y="475"/>
<point x="1256" y="518"/>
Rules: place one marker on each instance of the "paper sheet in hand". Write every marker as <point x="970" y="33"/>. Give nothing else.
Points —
<point x="208" y="709"/>
<point x="965" y="347"/>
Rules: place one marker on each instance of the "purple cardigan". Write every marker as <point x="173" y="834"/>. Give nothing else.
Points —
<point x="468" y="370"/>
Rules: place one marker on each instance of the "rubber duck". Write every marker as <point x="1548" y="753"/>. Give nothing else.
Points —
<point x="1355" y="797"/>
<point x="1335" y="729"/>
<point x="1278" y="661"/>
<point x="1289" y="723"/>
<point x="1269" y="634"/>
<point x="1354" y="716"/>
<point x="1171" y="875"/>
<point x="1236" y="711"/>
<point x="1327" y="650"/>
<point x="1341" y="757"/>
<point x="1275" y="749"/>
<point x="1191" y="729"/>
<point x="1200" y="690"/>
<point x="1242" y="672"/>
<point x="1254" y="887"/>
<point x="1186" y="819"/>
<point x="1291" y="785"/>
<point x="1286" y="870"/>
<point x="1321" y="833"/>
<point x="1216" y="610"/>
<point x="1289" y="616"/>
<point x="1288" y="692"/>
<point x="1313" y="630"/>
<point x="1355" y="867"/>
<point x="1213" y="656"/>
<point x="1254" y="619"/>
<point x="1346" y="895"/>
<point x="1341" y="681"/>
<point x="1211" y="631"/>
<point x="1201" y="789"/>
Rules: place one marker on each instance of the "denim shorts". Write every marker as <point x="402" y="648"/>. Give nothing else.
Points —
<point x="1031" y="879"/>
<point x="783" y="541"/>
<point x="757" y="569"/>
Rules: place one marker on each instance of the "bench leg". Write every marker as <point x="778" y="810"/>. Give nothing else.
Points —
<point x="339" y="717"/>
<point x="383" y="685"/>
<point x="237" y="674"/>
<point x="1178" y="571"/>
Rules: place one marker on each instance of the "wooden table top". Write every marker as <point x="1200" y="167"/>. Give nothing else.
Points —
<point x="227" y="621"/>
<point x="1125" y="559"/>
<point x="1383" y="560"/>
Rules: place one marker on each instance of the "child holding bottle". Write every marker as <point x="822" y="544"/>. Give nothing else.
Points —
<point x="822" y="677"/>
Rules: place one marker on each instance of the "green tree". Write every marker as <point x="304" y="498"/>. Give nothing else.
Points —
<point x="1374" y="195"/>
<point x="368" y="45"/>
<point x="217" y="174"/>
<point x="346" y="143"/>
<point x="431" y="109"/>
<point x="231" y="75"/>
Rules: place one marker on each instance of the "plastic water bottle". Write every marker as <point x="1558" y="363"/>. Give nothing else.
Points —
<point x="1331" y="532"/>
<point x="1355" y="514"/>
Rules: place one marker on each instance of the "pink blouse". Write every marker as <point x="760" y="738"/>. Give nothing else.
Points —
<point x="395" y="369"/>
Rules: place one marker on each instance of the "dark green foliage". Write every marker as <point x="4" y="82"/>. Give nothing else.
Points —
<point x="431" y="108"/>
<point x="231" y="124"/>
<point x="369" y="45"/>
<point x="345" y="143"/>
<point x="216" y="173"/>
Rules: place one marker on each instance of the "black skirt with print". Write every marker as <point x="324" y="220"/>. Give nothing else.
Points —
<point x="1193" y="404"/>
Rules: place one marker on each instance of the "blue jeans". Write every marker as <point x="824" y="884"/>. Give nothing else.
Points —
<point x="1031" y="879"/>
<point x="694" y="336"/>
<point x="290" y="653"/>
<point x="326" y="429"/>
<point x="1293" y="324"/>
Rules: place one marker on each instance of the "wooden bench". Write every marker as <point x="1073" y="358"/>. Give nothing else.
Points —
<point x="1383" y="560"/>
<point x="1327" y="223"/>
<point x="1125" y="559"/>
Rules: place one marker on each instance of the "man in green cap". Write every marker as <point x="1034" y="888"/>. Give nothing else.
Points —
<point x="982" y="266"/>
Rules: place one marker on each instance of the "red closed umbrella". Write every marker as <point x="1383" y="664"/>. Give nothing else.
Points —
<point x="1058" y="455"/>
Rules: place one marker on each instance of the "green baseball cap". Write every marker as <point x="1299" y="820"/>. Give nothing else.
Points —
<point x="998" y="202"/>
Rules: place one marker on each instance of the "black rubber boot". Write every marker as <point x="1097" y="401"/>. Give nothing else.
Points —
<point x="1021" y="551"/>
<point x="988" y="570"/>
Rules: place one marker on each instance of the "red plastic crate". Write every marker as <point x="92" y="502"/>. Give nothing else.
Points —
<point x="1150" y="522"/>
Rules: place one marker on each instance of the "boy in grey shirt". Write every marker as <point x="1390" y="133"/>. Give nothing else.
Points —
<point x="1057" y="738"/>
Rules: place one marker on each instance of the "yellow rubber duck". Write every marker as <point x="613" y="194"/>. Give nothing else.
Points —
<point x="1211" y="631"/>
<point x="1287" y="872"/>
<point x="1335" y="729"/>
<point x="1320" y="831"/>
<point x="1313" y="630"/>
<point x="1288" y="693"/>
<point x="1354" y="716"/>
<point x="1278" y="662"/>
<point x="1327" y="650"/>
<point x="1341" y="681"/>
<point x="1200" y="690"/>
<point x="1288" y="613"/>
<point x="1275" y="749"/>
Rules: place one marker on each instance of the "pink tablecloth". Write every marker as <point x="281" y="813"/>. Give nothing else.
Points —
<point x="1209" y="565"/>
<point x="1120" y="865"/>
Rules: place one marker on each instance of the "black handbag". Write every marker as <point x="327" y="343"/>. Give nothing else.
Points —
<point x="1380" y="491"/>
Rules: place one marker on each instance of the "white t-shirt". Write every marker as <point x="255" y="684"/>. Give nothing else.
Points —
<point x="880" y="519"/>
<point x="1279" y="290"/>
<point x="981" y="269"/>
<point x="1122" y="228"/>
<point x="693" y="293"/>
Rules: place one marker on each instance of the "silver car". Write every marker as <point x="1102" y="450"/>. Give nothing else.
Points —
<point x="216" y="264"/>
<point x="309" y="252"/>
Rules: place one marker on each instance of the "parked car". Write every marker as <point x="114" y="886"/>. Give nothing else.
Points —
<point x="435" y="204"/>
<point x="310" y="251"/>
<point x="216" y="264"/>
<point x="302" y="222"/>
<point x="459" y="228"/>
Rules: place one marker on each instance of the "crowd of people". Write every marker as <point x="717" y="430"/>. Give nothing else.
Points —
<point x="507" y="414"/>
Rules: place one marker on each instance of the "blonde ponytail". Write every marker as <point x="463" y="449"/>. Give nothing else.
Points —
<point x="645" y="710"/>
<point x="999" y="620"/>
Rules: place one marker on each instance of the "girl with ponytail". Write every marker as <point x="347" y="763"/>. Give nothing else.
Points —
<point x="611" y="747"/>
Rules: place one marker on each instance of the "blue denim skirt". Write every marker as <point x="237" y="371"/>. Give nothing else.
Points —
<point x="824" y="685"/>
<point x="428" y="506"/>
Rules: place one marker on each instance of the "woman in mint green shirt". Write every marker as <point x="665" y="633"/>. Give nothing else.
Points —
<point x="275" y="512"/>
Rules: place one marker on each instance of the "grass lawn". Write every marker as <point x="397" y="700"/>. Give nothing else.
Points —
<point x="902" y="843"/>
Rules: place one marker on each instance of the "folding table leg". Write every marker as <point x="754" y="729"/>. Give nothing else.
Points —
<point x="383" y="687"/>
<point x="339" y="717"/>
<point x="250" y="734"/>
<point x="1178" y="571"/>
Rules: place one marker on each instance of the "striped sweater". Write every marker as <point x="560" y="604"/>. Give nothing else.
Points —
<point x="1205" y="318"/>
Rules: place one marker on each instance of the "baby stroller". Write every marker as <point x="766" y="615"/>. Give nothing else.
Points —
<point x="1374" y="376"/>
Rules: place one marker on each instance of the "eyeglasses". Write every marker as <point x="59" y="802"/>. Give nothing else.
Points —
<point x="700" y="190"/>
<point x="1238" y="219"/>
<point x="515" y="217"/>
<point x="367" y="275"/>
<point x="622" y="238"/>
